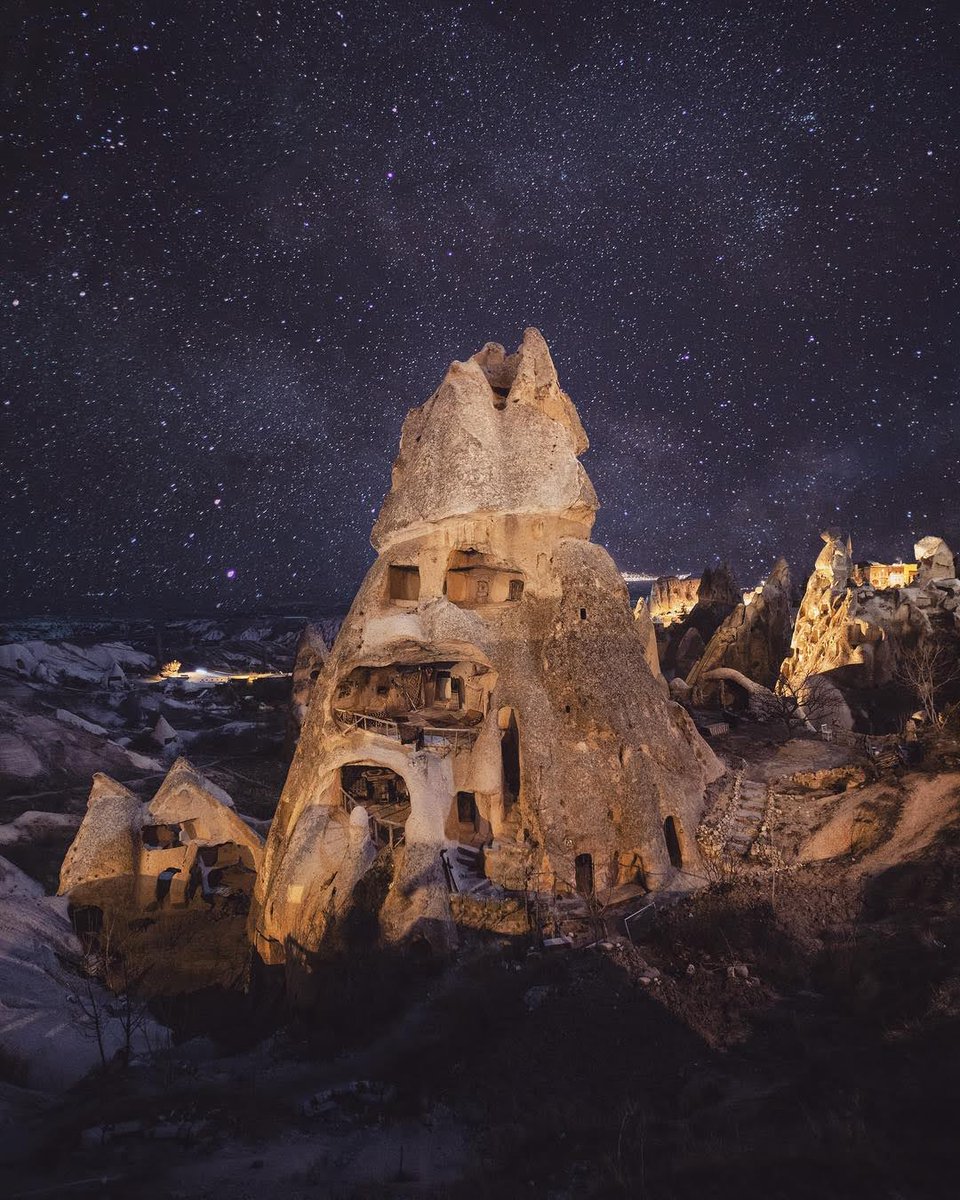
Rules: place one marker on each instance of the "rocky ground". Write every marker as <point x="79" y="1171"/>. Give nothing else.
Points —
<point x="789" y="1028"/>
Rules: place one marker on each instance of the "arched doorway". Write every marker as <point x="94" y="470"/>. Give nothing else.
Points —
<point x="671" y="836"/>
<point x="383" y="793"/>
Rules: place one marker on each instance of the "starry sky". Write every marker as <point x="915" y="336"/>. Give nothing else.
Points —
<point x="242" y="239"/>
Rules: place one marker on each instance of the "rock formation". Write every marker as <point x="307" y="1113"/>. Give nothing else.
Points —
<point x="489" y="687"/>
<point x="851" y="637"/>
<point x="187" y="841"/>
<point x="311" y="654"/>
<point x="648" y="635"/>
<point x="753" y="639"/>
<point x="671" y="598"/>
<point x="683" y="633"/>
<point x="688" y="651"/>
<point x="718" y="590"/>
<point x="934" y="561"/>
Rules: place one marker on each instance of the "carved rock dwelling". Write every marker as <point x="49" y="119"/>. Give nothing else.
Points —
<point x="185" y="843"/>
<point x="488" y="710"/>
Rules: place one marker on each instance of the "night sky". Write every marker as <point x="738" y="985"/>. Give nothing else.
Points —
<point x="242" y="240"/>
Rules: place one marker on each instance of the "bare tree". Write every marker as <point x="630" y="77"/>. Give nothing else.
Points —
<point x="928" y="668"/>
<point x="805" y="700"/>
<point x="101" y="966"/>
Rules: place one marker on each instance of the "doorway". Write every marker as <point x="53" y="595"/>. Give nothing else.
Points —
<point x="510" y="758"/>
<point x="583" y="868"/>
<point x="671" y="836"/>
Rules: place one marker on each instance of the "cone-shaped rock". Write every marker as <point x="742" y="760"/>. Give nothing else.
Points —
<point x="489" y="687"/>
<point x="753" y="639"/>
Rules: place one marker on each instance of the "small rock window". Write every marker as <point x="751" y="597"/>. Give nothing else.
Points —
<point x="583" y="614"/>
<point x="404" y="583"/>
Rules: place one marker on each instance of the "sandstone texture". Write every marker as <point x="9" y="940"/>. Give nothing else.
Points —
<point x="671" y="598"/>
<point x="186" y="841"/>
<point x="753" y="639"/>
<point x="851" y="637"/>
<point x="934" y="561"/>
<point x="684" y="631"/>
<point x="490" y="697"/>
<point x="311" y="654"/>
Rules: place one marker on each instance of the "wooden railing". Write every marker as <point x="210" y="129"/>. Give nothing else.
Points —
<point x="393" y="835"/>
<point x="456" y="736"/>
<point x="359" y="720"/>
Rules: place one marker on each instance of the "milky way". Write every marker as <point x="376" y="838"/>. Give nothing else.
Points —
<point x="241" y="241"/>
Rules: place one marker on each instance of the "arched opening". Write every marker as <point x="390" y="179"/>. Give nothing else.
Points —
<point x="671" y="836"/>
<point x="583" y="869"/>
<point x="421" y="703"/>
<point x="384" y="795"/>
<point x="509" y="757"/>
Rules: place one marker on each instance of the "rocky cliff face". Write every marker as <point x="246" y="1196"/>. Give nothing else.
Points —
<point x="684" y="633"/>
<point x="121" y="838"/>
<point x="671" y="598"/>
<point x="852" y="636"/>
<point x="934" y="561"/>
<point x="311" y="654"/>
<point x="166" y="882"/>
<point x="753" y="639"/>
<point x="489" y="691"/>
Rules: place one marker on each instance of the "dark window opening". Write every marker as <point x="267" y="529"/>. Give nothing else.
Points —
<point x="510" y="760"/>
<point x="160" y="837"/>
<point x="468" y="817"/>
<point x="404" y="583"/>
<point x="467" y="809"/>
<point x="164" y="882"/>
<point x="583" y="614"/>
<point x="500" y="401"/>
<point x="516" y="589"/>
<point x="87" y="920"/>
<point x="583" y="866"/>
<point x="672" y="838"/>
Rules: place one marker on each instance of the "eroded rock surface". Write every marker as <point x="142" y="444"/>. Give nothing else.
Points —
<point x="490" y="699"/>
<point x="851" y="637"/>
<point x="753" y="639"/>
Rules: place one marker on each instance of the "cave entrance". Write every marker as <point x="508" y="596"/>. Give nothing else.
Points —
<point x="583" y="868"/>
<point x="383" y="793"/>
<point x="467" y="818"/>
<point x="509" y="757"/>
<point x="671" y="836"/>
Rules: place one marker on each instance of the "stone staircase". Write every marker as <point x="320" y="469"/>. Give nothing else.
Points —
<point x="465" y="865"/>
<point x="507" y="856"/>
<point x="747" y="819"/>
